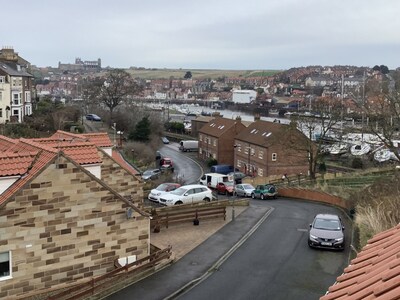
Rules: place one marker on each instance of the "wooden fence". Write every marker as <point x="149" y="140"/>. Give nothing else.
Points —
<point x="107" y="281"/>
<point x="165" y="216"/>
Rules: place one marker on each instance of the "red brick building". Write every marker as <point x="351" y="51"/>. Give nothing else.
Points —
<point x="216" y="139"/>
<point x="261" y="150"/>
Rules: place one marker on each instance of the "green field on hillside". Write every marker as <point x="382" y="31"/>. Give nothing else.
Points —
<point x="197" y="73"/>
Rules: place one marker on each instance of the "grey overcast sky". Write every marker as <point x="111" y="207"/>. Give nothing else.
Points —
<point x="206" y="34"/>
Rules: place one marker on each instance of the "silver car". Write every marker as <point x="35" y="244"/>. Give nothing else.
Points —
<point x="244" y="190"/>
<point x="326" y="231"/>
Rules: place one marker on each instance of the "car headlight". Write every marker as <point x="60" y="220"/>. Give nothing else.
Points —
<point x="313" y="237"/>
<point x="158" y="194"/>
<point x="339" y="240"/>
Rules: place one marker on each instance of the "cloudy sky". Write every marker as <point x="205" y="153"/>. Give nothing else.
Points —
<point x="206" y="34"/>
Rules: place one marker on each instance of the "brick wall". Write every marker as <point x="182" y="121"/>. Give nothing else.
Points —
<point x="314" y="196"/>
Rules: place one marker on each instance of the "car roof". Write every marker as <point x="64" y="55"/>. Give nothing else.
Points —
<point x="190" y="186"/>
<point x="327" y="216"/>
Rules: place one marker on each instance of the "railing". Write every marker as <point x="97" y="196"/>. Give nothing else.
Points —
<point x="103" y="282"/>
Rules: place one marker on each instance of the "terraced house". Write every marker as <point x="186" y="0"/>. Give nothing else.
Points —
<point x="68" y="212"/>
<point x="16" y="88"/>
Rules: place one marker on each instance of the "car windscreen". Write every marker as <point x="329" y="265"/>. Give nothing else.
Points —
<point x="179" y="191"/>
<point x="248" y="187"/>
<point x="162" y="187"/>
<point x="148" y="172"/>
<point x="327" y="224"/>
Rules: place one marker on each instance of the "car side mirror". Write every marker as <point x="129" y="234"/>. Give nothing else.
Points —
<point x="185" y="194"/>
<point x="310" y="225"/>
<point x="342" y="227"/>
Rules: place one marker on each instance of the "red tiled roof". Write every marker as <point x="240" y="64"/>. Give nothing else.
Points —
<point x="41" y="160"/>
<point x="80" y="151"/>
<point x="374" y="273"/>
<point x="6" y="143"/>
<point x="100" y="139"/>
<point x="117" y="157"/>
<point x="12" y="164"/>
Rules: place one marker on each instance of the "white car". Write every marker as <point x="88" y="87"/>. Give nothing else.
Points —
<point x="162" y="189"/>
<point x="187" y="194"/>
<point x="244" y="189"/>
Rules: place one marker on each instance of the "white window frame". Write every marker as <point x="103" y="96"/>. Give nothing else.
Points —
<point x="215" y="142"/>
<point x="200" y="151"/>
<point x="200" y="137"/>
<point x="260" y="172"/>
<point x="260" y="154"/>
<point x="274" y="156"/>
<point x="9" y="264"/>
<point x="252" y="151"/>
<point x="2" y="79"/>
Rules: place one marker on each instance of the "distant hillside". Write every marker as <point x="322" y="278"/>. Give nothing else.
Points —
<point x="198" y="74"/>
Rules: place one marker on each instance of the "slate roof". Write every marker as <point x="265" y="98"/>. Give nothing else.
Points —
<point x="218" y="126"/>
<point x="11" y="69"/>
<point x="374" y="273"/>
<point x="261" y="133"/>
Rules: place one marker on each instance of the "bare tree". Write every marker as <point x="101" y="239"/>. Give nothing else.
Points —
<point x="317" y="127"/>
<point x="118" y="85"/>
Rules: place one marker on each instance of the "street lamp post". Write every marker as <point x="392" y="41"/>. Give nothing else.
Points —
<point x="234" y="182"/>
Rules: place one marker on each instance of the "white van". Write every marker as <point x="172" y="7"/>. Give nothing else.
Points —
<point x="189" y="146"/>
<point x="212" y="179"/>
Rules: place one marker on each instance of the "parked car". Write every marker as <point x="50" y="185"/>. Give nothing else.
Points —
<point x="187" y="194"/>
<point x="222" y="169"/>
<point x="244" y="190"/>
<point x="93" y="117"/>
<point x="264" y="191"/>
<point x="151" y="174"/>
<point x="165" y="140"/>
<point x="162" y="189"/>
<point x="225" y="188"/>
<point x="158" y="155"/>
<point x="326" y="231"/>
<point x="166" y="164"/>
<point x="238" y="176"/>
<point x="212" y="179"/>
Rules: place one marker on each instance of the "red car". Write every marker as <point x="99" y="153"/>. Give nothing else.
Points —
<point x="166" y="164"/>
<point x="225" y="188"/>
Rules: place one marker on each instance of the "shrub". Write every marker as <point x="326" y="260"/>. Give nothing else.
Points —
<point x="357" y="163"/>
<point x="211" y="162"/>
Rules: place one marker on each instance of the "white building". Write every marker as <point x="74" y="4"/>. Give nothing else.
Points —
<point x="243" y="96"/>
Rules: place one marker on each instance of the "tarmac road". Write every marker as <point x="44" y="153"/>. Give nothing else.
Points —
<point x="262" y="254"/>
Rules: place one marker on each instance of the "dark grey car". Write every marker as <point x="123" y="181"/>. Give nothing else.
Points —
<point x="326" y="231"/>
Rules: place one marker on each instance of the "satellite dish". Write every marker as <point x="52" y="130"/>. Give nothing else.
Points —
<point x="129" y="213"/>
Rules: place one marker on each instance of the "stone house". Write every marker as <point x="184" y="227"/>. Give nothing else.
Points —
<point x="261" y="149"/>
<point x="216" y="139"/>
<point x="68" y="212"/>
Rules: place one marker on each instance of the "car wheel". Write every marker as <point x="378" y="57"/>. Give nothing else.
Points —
<point x="253" y="196"/>
<point x="275" y="197"/>
<point x="262" y="197"/>
<point x="178" y="202"/>
<point x="207" y="199"/>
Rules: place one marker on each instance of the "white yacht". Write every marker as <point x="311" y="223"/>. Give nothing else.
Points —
<point x="360" y="149"/>
<point x="339" y="148"/>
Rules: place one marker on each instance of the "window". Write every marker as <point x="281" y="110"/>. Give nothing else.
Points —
<point x="209" y="141"/>
<point x="246" y="150"/>
<point x="239" y="163"/>
<point x="239" y="147"/>
<point x="274" y="155"/>
<point x="215" y="142"/>
<point x="2" y="79"/>
<point x="200" y="150"/>
<point x="260" y="154"/>
<point x="5" y="265"/>
<point x="200" y="137"/>
<point x="260" y="172"/>
<point x="1" y="112"/>
<point x="252" y="151"/>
